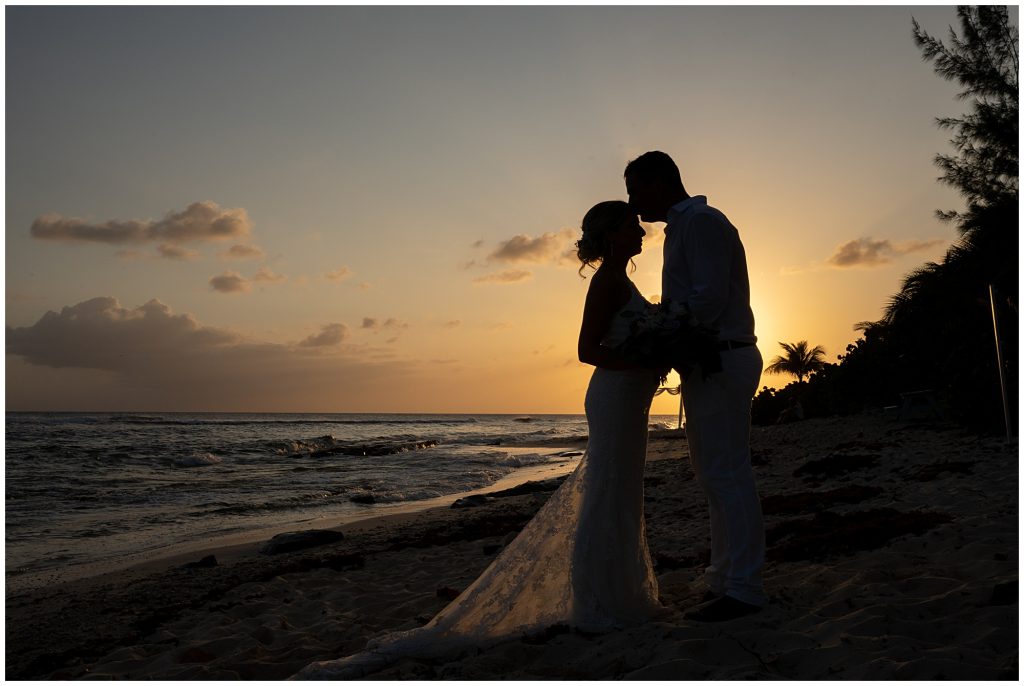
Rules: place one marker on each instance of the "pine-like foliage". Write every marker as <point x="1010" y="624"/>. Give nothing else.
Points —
<point x="983" y="60"/>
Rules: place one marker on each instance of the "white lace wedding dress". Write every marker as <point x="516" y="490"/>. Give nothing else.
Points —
<point x="581" y="561"/>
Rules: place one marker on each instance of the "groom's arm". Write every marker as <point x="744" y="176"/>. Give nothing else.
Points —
<point x="708" y="251"/>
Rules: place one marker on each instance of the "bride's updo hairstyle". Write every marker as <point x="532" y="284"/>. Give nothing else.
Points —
<point x="603" y="218"/>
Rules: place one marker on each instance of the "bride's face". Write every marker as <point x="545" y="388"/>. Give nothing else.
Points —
<point x="628" y="238"/>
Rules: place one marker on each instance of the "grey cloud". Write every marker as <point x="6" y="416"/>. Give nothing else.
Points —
<point x="508" y="276"/>
<point x="869" y="252"/>
<point x="230" y="282"/>
<point x="100" y="355"/>
<point x="100" y="334"/>
<point x="241" y="251"/>
<point x="200" y="221"/>
<point x="169" y="251"/>
<point x="330" y="334"/>
<point x="454" y="323"/>
<point x="523" y="248"/>
<point x="390" y="323"/>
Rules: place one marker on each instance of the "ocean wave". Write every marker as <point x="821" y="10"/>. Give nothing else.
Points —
<point x="197" y="460"/>
<point x="326" y="446"/>
<point x="508" y="460"/>
<point x="141" y="419"/>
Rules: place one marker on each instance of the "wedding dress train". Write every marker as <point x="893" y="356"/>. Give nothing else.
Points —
<point x="581" y="561"/>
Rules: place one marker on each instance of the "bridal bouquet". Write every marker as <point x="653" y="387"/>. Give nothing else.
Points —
<point x="667" y="336"/>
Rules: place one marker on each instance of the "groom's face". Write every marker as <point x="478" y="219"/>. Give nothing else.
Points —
<point x="645" y="198"/>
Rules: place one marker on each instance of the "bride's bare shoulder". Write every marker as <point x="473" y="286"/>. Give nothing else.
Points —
<point x="608" y="287"/>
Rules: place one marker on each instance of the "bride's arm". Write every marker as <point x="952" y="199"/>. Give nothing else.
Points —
<point x="604" y="298"/>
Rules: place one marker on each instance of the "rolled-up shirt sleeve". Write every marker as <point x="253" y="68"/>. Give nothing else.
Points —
<point x="708" y="249"/>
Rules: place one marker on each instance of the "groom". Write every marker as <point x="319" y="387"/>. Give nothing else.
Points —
<point x="706" y="268"/>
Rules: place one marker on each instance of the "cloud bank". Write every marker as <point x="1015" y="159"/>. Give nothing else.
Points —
<point x="101" y="355"/>
<point x="101" y="334"/>
<point x="199" y="222"/>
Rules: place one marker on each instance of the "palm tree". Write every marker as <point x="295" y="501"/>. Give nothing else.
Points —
<point x="798" y="361"/>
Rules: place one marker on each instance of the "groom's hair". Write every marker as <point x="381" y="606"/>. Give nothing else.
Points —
<point x="654" y="166"/>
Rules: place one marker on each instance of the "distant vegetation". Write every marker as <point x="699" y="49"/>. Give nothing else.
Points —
<point x="799" y="360"/>
<point x="937" y="333"/>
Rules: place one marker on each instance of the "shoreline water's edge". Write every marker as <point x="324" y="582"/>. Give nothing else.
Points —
<point x="892" y="552"/>
<point x="234" y="546"/>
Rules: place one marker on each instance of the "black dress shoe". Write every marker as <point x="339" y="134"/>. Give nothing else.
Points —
<point x="709" y="596"/>
<point x="722" y="610"/>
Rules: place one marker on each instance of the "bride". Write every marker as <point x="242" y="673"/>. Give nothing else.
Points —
<point x="583" y="559"/>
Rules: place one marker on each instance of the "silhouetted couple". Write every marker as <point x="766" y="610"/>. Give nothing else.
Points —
<point x="583" y="559"/>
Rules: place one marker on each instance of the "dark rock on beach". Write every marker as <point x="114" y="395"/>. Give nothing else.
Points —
<point x="471" y="502"/>
<point x="1005" y="593"/>
<point x="205" y="563"/>
<point x="446" y="593"/>
<point x="828" y="533"/>
<point x="835" y="465"/>
<point x="530" y="487"/>
<point x="300" y="540"/>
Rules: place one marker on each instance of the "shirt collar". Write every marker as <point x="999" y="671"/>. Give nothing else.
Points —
<point x="684" y="206"/>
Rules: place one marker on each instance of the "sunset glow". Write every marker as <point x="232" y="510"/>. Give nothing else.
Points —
<point x="351" y="209"/>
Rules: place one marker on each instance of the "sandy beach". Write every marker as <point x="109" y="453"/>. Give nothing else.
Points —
<point x="892" y="554"/>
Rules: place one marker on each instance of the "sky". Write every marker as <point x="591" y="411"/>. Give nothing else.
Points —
<point x="369" y="209"/>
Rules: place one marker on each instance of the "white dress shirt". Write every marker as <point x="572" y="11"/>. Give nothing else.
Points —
<point x="706" y="267"/>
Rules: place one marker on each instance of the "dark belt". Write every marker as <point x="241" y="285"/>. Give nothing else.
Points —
<point x="733" y="345"/>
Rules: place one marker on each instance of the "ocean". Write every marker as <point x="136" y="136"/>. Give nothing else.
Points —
<point x="88" y="488"/>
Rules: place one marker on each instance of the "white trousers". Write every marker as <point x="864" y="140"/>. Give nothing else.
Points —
<point x="718" y="435"/>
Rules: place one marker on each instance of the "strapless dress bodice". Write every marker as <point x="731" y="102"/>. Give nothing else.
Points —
<point x="619" y="329"/>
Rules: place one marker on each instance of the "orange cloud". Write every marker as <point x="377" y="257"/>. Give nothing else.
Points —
<point x="266" y="275"/>
<point x="508" y="276"/>
<point x="339" y="274"/>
